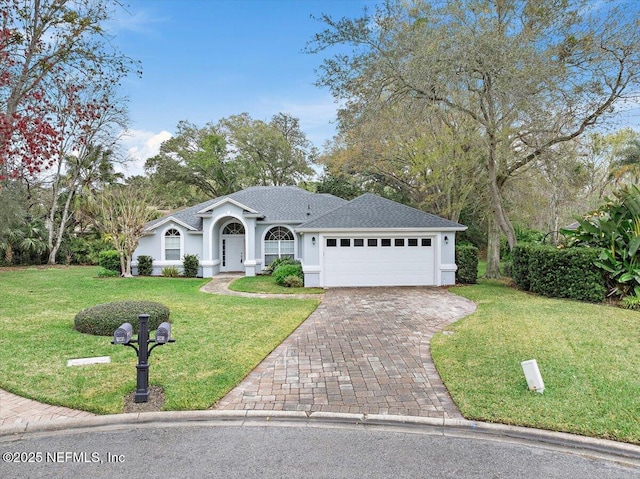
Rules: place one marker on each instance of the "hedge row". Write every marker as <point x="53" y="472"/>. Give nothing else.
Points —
<point x="104" y="319"/>
<point x="559" y="273"/>
<point x="467" y="261"/>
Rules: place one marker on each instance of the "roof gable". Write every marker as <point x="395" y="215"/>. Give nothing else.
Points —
<point x="370" y="211"/>
<point x="223" y="201"/>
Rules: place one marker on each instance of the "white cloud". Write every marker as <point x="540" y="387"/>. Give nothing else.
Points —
<point x="141" y="145"/>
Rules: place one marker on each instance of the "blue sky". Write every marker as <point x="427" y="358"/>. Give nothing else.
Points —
<point x="204" y="60"/>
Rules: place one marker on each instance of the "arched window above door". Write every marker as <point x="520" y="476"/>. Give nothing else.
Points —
<point x="234" y="228"/>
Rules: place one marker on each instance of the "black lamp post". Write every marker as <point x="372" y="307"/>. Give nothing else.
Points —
<point x="123" y="335"/>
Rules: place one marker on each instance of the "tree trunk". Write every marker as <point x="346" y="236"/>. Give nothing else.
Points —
<point x="123" y="266"/>
<point x="62" y="228"/>
<point x="127" y="271"/>
<point x="499" y="220"/>
<point x="493" y="249"/>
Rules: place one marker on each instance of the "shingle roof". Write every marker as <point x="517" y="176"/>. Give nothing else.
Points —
<point x="370" y="212"/>
<point x="274" y="203"/>
<point x="318" y="211"/>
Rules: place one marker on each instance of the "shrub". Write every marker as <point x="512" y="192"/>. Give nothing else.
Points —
<point x="559" y="273"/>
<point x="107" y="273"/>
<point x="104" y="319"/>
<point x="145" y="265"/>
<point x="278" y="262"/>
<point x="170" y="272"/>
<point x="284" y="270"/>
<point x="520" y="265"/>
<point x="294" y="282"/>
<point x="190" y="265"/>
<point x="615" y="228"/>
<point x="110" y="259"/>
<point x="467" y="261"/>
<point x="83" y="249"/>
<point x="630" y="302"/>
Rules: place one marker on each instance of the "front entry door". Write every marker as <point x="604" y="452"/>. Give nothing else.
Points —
<point x="232" y="253"/>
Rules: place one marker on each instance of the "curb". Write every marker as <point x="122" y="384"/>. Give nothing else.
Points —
<point x="437" y="426"/>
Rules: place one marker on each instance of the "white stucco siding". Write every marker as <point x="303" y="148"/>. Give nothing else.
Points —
<point x="310" y="258"/>
<point x="448" y="265"/>
<point x="147" y="246"/>
<point x="153" y="244"/>
<point x="408" y="259"/>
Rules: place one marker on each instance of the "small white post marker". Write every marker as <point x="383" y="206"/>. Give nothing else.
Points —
<point x="533" y="376"/>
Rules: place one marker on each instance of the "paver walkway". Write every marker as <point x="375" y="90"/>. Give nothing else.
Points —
<point x="364" y="350"/>
<point x="16" y="410"/>
<point x="219" y="284"/>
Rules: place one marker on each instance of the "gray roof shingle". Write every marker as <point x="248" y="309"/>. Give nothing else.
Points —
<point x="274" y="203"/>
<point x="372" y="212"/>
<point x="318" y="211"/>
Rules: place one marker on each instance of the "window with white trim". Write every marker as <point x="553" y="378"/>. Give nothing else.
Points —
<point x="234" y="228"/>
<point x="172" y="245"/>
<point x="278" y="243"/>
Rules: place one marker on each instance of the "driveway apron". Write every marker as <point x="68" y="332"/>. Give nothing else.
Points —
<point x="364" y="350"/>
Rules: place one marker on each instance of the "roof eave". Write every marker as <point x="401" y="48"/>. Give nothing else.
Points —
<point x="431" y="229"/>
<point x="167" y="220"/>
<point x="223" y="201"/>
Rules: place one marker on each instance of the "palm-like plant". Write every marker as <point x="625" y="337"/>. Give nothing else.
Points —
<point x="25" y="241"/>
<point x="614" y="227"/>
<point x="627" y="163"/>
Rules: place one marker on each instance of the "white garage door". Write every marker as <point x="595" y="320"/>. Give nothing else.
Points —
<point x="367" y="261"/>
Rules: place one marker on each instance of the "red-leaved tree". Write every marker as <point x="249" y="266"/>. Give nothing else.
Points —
<point x="42" y="41"/>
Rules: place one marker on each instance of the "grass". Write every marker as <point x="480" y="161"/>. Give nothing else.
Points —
<point x="266" y="284"/>
<point x="219" y="339"/>
<point x="589" y="358"/>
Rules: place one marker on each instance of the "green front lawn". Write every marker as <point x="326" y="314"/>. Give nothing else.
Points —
<point x="266" y="284"/>
<point x="589" y="358"/>
<point x="219" y="339"/>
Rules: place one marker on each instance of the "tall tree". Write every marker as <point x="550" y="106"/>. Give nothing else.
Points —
<point x="89" y="119"/>
<point x="120" y="213"/>
<point x="196" y="157"/>
<point x="530" y="74"/>
<point x="429" y="159"/>
<point x="42" y="41"/>
<point x="236" y="152"/>
<point x="275" y="153"/>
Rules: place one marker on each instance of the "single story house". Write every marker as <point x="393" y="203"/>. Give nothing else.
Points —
<point x="368" y="241"/>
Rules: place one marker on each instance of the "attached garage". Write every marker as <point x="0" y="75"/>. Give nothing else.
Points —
<point x="378" y="261"/>
<point x="373" y="241"/>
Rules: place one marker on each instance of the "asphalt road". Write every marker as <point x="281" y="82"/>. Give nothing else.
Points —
<point x="291" y="450"/>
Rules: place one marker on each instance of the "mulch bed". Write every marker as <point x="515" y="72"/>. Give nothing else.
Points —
<point x="155" y="402"/>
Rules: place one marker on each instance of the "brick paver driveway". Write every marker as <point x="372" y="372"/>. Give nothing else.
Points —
<point x="364" y="350"/>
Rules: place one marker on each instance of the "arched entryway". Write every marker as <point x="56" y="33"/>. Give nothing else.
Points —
<point x="232" y="247"/>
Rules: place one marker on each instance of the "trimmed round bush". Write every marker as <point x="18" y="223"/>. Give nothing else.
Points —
<point x="284" y="270"/>
<point x="190" y="265"/>
<point x="104" y="319"/>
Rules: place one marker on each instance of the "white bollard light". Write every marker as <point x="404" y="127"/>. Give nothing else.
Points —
<point x="532" y="374"/>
